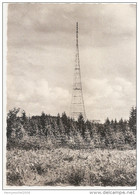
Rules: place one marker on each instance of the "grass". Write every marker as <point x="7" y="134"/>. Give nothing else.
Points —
<point x="68" y="167"/>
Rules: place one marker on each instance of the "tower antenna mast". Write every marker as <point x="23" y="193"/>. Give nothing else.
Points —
<point x="77" y="103"/>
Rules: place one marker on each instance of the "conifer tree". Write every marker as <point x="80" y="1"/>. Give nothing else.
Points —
<point x="81" y="125"/>
<point x="132" y="120"/>
<point x="43" y="124"/>
<point x="14" y="126"/>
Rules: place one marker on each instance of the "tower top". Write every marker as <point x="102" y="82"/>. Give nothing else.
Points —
<point x="76" y="27"/>
<point x="77" y="34"/>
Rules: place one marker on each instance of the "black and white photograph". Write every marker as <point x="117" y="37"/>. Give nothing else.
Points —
<point x="70" y="95"/>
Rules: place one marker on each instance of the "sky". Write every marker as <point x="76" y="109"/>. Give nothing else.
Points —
<point x="41" y="57"/>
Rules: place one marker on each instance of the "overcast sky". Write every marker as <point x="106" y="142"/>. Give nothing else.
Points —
<point x="41" y="57"/>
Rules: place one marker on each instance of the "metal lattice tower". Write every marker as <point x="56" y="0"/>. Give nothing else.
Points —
<point x="77" y="103"/>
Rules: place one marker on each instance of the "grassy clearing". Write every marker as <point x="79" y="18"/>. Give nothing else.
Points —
<point x="67" y="167"/>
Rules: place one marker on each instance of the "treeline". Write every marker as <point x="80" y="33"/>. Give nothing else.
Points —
<point x="40" y="131"/>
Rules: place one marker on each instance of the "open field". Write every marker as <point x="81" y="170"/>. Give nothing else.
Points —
<point x="68" y="167"/>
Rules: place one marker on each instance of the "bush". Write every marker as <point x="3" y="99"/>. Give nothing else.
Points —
<point x="61" y="166"/>
<point x="76" y="177"/>
<point x="14" y="178"/>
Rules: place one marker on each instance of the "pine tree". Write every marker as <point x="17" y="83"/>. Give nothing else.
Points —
<point x="58" y="119"/>
<point x="107" y="122"/>
<point x="130" y="138"/>
<point x="132" y="120"/>
<point x="43" y="124"/>
<point x="121" y="125"/>
<point x="81" y="125"/>
<point x="87" y="136"/>
<point x="112" y="122"/>
<point x="14" y="126"/>
<point x="23" y="118"/>
<point x="64" y="118"/>
<point x="96" y="137"/>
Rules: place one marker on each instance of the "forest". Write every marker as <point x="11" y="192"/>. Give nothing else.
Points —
<point x="64" y="131"/>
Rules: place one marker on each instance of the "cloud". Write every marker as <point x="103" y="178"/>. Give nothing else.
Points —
<point x="99" y="25"/>
<point x="41" y="57"/>
<point x="110" y="98"/>
<point x="37" y="94"/>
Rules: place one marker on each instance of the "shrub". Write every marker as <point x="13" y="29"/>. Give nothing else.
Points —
<point x="76" y="176"/>
<point x="64" y="166"/>
<point x="14" y="178"/>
